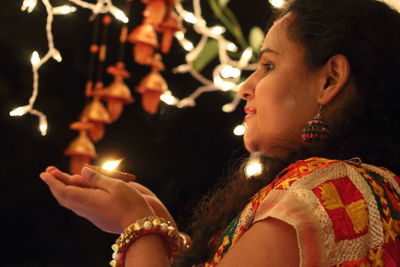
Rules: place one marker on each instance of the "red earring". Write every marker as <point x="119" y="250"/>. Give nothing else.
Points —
<point x="317" y="129"/>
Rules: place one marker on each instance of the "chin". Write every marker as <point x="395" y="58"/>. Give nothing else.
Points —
<point x="249" y="145"/>
<point x="268" y="149"/>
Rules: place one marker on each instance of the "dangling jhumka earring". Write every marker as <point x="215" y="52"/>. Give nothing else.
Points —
<point x="316" y="130"/>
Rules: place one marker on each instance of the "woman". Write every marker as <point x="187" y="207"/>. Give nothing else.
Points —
<point x="322" y="101"/>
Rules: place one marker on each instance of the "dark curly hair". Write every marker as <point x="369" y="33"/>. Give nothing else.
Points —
<point x="367" y="33"/>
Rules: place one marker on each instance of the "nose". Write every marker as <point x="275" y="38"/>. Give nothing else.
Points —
<point x="246" y="91"/>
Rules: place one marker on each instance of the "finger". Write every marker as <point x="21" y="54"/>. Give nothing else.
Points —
<point x="97" y="180"/>
<point x="124" y="176"/>
<point x="50" y="168"/>
<point x="69" y="196"/>
<point x="67" y="178"/>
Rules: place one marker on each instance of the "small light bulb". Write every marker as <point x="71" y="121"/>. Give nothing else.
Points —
<point x="43" y="126"/>
<point x="227" y="86"/>
<point x="227" y="108"/>
<point x="179" y="35"/>
<point x="64" y="10"/>
<point x="181" y="69"/>
<point x="239" y="130"/>
<point x="57" y="56"/>
<point x="35" y="59"/>
<point x="277" y="3"/>
<point x="217" y="30"/>
<point x="223" y="85"/>
<point x="111" y="165"/>
<point x="247" y="54"/>
<point x="253" y="168"/>
<point x="190" y="17"/>
<point x="187" y="45"/>
<point x="218" y="81"/>
<point x="245" y="58"/>
<point x="231" y="47"/>
<point x="119" y="14"/>
<point x="28" y="5"/>
<point x="168" y="98"/>
<point x="230" y="72"/>
<point x="20" y="111"/>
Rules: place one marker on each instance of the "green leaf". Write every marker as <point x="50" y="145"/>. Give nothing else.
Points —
<point x="256" y="37"/>
<point x="209" y="52"/>
<point x="223" y="3"/>
<point x="226" y="16"/>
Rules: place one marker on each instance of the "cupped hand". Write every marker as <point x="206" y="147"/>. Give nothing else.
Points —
<point x="111" y="204"/>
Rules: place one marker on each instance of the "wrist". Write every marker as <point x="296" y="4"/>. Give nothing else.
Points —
<point x="139" y="214"/>
<point x="174" y="242"/>
<point x="148" y="250"/>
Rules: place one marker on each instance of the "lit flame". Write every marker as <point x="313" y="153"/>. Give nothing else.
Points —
<point x="111" y="165"/>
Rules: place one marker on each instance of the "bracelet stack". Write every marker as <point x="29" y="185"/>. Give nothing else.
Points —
<point x="177" y="242"/>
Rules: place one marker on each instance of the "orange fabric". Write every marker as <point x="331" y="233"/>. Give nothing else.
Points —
<point x="345" y="213"/>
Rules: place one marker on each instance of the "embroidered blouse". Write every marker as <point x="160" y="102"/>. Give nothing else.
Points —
<point x="345" y="213"/>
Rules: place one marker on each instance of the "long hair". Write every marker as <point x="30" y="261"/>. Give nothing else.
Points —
<point x="367" y="33"/>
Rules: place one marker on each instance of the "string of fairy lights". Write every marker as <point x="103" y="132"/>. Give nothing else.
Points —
<point x="102" y="6"/>
<point x="226" y="75"/>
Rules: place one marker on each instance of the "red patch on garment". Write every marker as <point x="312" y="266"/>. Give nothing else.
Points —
<point x="345" y="207"/>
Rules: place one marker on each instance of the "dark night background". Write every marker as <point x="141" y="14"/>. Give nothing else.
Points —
<point x="178" y="153"/>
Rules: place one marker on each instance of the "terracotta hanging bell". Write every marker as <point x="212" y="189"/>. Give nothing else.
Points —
<point x="168" y="28"/>
<point x="117" y="94"/>
<point x="152" y="87"/>
<point x="155" y="11"/>
<point x="97" y="114"/>
<point x="144" y="40"/>
<point x="81" y="149"/>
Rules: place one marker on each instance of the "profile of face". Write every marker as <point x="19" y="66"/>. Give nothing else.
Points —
<point x="282" y="94"/>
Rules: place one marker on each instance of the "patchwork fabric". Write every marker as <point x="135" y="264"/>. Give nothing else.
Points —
<point x="345" y="206"/>
<point x="345" y="213"/>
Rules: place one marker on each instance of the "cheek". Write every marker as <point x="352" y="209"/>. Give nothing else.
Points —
<point x="276" y="102"/>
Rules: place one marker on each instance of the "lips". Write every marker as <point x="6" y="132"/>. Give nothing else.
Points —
<point x="249" y="112"/>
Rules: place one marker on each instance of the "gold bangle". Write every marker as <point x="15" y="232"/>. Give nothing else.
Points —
<point x="177" y="242"/>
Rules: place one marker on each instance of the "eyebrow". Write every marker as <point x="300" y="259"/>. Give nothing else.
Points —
<point x="267" y="50"/>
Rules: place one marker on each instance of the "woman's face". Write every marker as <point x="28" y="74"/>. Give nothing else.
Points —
<point x="281" y="94"/>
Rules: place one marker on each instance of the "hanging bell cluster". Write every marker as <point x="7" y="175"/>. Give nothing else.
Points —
<point x="159" y="19"/>
<point x="104" y="107"/>
<point x="106" y="103"/>
<point x="96" y="115"/>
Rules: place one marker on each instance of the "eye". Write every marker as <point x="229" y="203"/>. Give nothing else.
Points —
<point x="268" y="66"/>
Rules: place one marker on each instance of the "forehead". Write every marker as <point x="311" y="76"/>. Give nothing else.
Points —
<point x="278" y="39"/>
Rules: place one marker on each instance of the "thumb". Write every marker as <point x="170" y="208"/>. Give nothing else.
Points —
<point x="97" y="180"/>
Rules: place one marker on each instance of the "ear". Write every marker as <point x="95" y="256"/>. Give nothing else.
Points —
<point x="337" y="73"/>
